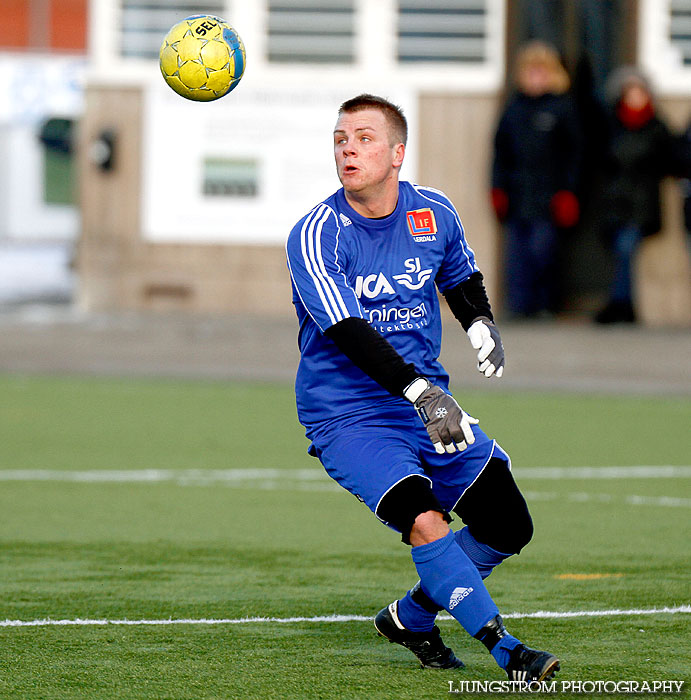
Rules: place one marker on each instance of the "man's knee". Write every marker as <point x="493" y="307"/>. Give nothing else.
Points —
<point x="507" y="536"/>
<point x="512" y="540"/>
<point x="495" y="511"/>
<point x="411" y="504"/>
<point x="428" y="527"/>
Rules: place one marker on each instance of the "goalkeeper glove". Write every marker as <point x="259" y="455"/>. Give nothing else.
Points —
<point x="448" y="425"/>
<point x="485" y="338"/>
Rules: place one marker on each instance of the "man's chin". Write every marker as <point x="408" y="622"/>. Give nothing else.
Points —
<point x="351" y="181"/>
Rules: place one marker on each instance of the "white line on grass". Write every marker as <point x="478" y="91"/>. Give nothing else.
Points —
<point x="183" y="476"/>
<point x="588" y="473"/>
<point x="268" y="479"/>
<point x="312" y="475"/>
<point x="540" y="614"/>
<point x="631" y="500"/>
<point x="260" y="478"/>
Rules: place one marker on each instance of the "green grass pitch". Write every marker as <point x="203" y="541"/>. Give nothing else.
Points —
<point x="168" y="534"/>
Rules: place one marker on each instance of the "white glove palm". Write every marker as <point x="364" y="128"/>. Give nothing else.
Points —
<point x="485" y="338"/>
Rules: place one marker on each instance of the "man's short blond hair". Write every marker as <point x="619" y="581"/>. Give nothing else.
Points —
<point x="395" y="118"/>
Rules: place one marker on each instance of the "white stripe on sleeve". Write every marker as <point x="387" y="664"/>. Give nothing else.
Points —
<point x="314" y="264"/>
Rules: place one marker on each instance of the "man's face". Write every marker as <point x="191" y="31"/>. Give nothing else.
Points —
<point x="365" y="158"/>
<point x="635" y="96"/>
<point x="535" y="79"/>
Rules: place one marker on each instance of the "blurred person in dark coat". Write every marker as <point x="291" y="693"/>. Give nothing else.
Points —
<point x="686" y="185"/>
<point x="537" y="154"/>
<point x="639" y="151"/>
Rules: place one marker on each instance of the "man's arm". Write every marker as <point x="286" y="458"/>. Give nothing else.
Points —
<point x="468" y="300"/>
<point x="469" y="303"/>
<point x="373" y="354"/>
<point x="448" y="426"/>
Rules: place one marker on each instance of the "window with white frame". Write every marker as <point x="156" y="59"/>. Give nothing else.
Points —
<point x="444" y="44"/>
<point x="311" y="31"/>
<point x="680" y="28"/>
<point x="449" y="31"/>
<point x="665" y="43"/>
<point x="144" y="23"/>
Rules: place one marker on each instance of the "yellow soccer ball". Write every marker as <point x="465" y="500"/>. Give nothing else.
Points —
<point x="202" y="58"/>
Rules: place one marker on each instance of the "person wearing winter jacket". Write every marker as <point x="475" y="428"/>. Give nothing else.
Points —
<point x="535" y="172"/>
<point x="639" y="151"/>
<point x="686" y="185"/>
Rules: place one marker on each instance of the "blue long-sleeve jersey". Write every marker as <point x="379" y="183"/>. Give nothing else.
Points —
<point x="386" y="271"/>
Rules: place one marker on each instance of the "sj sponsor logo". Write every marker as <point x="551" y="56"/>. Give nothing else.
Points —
<point x="414" y="276"/>
<point x="377" y="284"/>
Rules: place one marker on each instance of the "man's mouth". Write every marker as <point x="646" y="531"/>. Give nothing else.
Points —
<point x="349" y="169"/>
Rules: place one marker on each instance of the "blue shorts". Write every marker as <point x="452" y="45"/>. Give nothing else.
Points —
<point x="369" y="455"/>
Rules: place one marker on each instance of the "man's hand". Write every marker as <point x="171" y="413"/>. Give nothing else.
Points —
<point x="565" y="209"/>
<point x="485" y="338"/>
<point x="448" y="425"/>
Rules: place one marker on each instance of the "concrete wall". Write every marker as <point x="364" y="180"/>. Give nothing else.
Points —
<point x="455" y="156"/>
<point x="664" y="265"/>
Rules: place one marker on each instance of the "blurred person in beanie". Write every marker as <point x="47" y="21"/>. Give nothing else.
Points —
<point x="639" y="152"/>
<point x="536" y="168"/>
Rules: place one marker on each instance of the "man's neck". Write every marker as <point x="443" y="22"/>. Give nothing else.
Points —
<point x="374" y="206"/>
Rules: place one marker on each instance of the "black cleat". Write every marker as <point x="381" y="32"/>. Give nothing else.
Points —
<point x="427" y="646"/>
<point x="528" y="665"/>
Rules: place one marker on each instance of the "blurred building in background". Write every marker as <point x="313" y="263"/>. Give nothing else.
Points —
<point x="187" y="205"/>
<point x="43" y="63"/>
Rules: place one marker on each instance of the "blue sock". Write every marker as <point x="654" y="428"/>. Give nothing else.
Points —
<point x="502" y="649"/>
<point x="483" y="556"/>
<point x="451" y="580"/>
<point x="413" y="616"/>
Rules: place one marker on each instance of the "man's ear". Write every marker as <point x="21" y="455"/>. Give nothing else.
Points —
<point x="398" y="155"/>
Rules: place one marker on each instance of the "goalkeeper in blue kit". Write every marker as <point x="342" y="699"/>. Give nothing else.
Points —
<point x="366" y="264"/>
